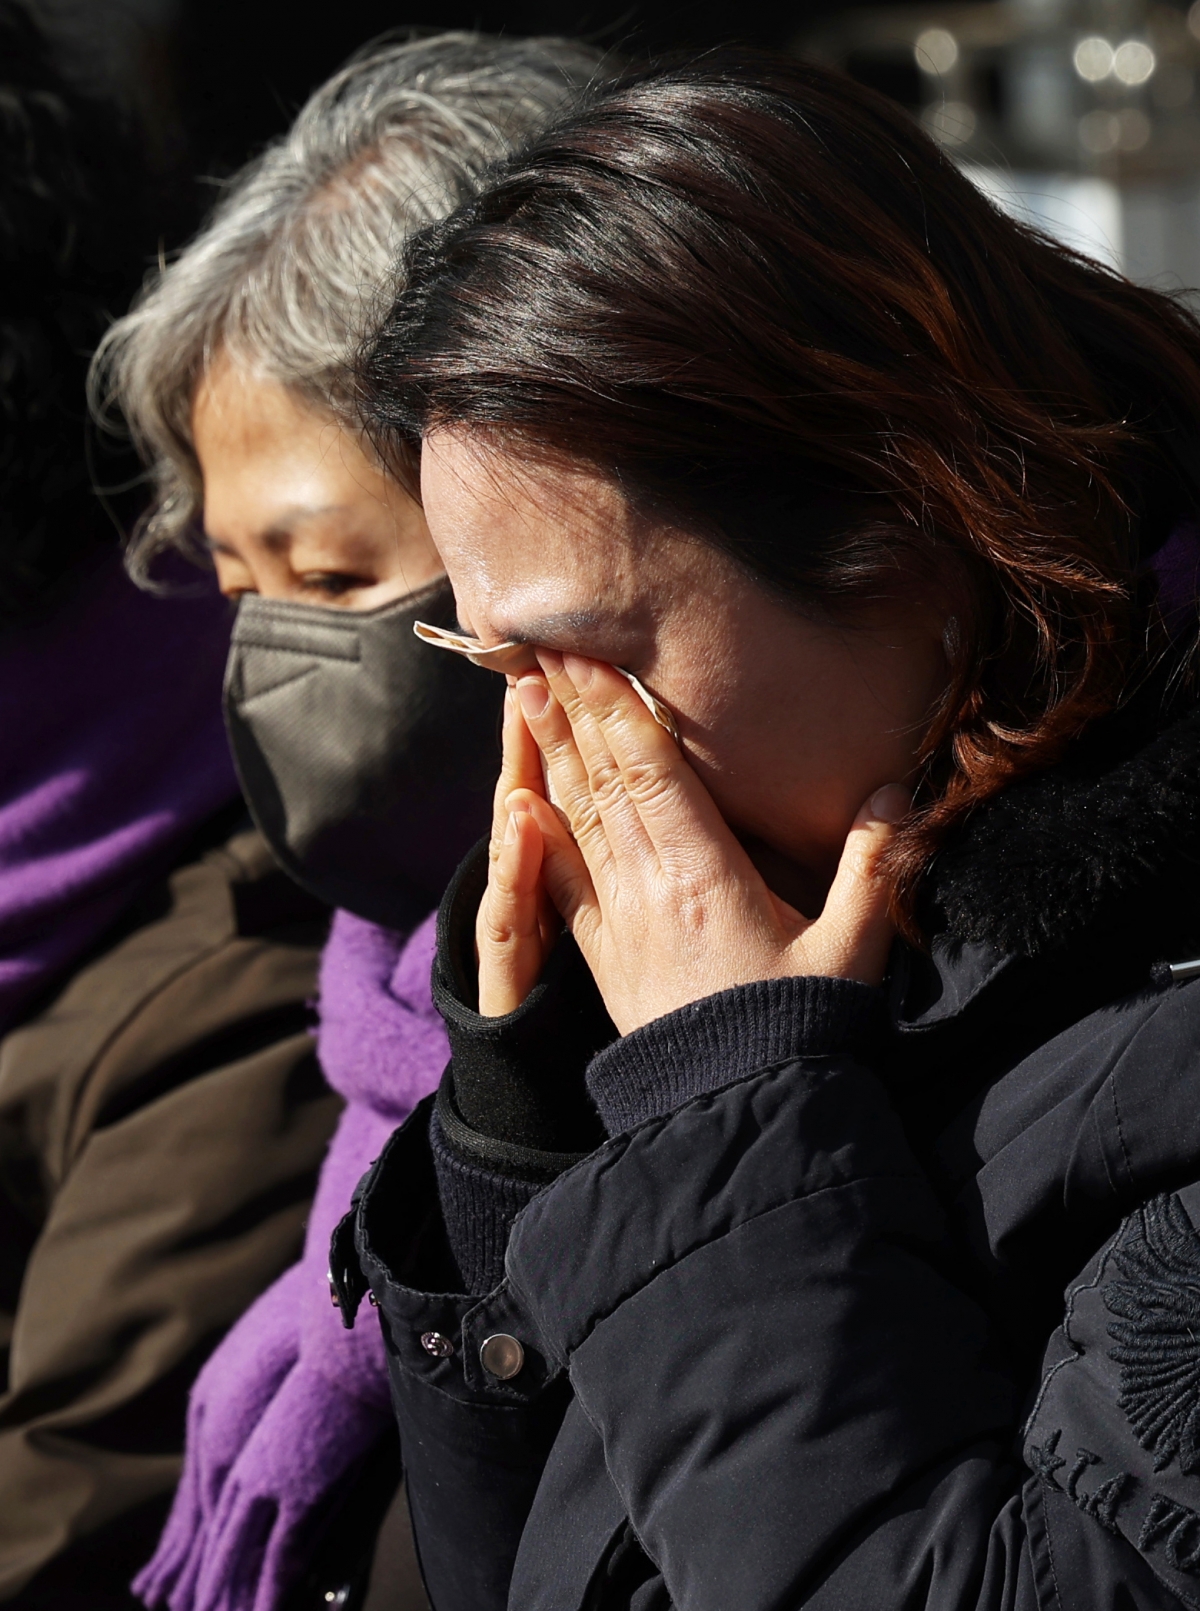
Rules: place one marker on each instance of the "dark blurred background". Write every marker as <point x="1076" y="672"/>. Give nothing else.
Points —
<point x="1080" y="114"/>
<point x="222" y="76"/>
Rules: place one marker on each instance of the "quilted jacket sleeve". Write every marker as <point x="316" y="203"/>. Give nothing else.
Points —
<point x="781" y="1388"/>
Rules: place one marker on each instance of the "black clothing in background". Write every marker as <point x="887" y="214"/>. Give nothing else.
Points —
<point x="75" y="238"/>
<point x="796" y="1334"/>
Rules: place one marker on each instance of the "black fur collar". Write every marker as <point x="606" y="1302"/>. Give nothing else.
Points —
<point x="1110" y="839"/>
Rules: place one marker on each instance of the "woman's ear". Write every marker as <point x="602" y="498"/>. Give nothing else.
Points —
<point x="937" y="603"/>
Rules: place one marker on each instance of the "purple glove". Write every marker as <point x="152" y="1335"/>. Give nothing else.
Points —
<point x="291" y="1400"/>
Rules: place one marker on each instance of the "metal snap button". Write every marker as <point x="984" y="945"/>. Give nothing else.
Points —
<point x="372" y="1300"/>
<point x="502" y="1356"/>
<point x="434" y="1343"/>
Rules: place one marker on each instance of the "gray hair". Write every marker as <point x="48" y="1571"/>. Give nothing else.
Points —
<point x="298" y="261"/>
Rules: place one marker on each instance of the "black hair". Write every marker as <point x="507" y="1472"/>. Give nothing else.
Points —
<point x="763" y="300"/>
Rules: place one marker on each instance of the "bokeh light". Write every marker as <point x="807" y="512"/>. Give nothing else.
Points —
<point x="1133" y="62"/>
<point x="951" y="123"/>
<point x="936" y="50"/>
<point x="1094" y="58"/>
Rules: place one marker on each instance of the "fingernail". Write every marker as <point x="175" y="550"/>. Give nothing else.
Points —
<point x="534" y="696"/>
<point x="579" y="671"/>
<point x="510" y="829"/>
<point x="890" y="804"/>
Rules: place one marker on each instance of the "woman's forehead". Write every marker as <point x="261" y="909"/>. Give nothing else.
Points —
<point x="482" y="491"/>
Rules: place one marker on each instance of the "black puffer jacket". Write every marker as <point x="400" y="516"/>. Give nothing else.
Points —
<point x="795" y="1334"/>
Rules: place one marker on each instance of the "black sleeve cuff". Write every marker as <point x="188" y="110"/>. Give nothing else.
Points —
<point x="709" y="1044"/>
<point x="536" y="1164"/>
<point x="478" y="1207"/>
<point x="518" y="1079"/>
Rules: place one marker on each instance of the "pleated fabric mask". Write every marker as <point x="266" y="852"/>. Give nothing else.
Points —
<point x="367" y="763"/>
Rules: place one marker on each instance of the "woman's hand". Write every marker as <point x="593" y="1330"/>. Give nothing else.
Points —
<point x="517" y="923"/>
<point x="663" y="901"/>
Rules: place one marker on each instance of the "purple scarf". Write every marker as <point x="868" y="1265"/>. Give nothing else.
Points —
<point x="114" y="754"/>
<point x="291" y="1400"/>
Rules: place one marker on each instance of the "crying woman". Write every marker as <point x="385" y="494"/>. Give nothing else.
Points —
<point x="810" y="1214"/>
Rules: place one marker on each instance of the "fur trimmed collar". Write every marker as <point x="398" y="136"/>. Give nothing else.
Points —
<point x="1109" y="839"/>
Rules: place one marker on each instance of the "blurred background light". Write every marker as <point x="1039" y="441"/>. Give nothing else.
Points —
<point x="1099" y="132"/>
<point x="951" y="123"/>
<point x="936" y="50"/>
<point x="1093" y="58"/>
<point x="1080" y="117"/>
<point x="1083" y="213"/>
<point x="1133" y="62"/>
<point x="1133" y="129"/>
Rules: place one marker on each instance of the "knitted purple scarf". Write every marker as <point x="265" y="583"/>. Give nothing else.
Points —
<point x="290" y="1401"/>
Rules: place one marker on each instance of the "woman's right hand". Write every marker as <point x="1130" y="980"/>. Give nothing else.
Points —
<point x="517" y="924"/>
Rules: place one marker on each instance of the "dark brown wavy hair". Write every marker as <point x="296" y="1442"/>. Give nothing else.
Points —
<point x="756" y="293"/>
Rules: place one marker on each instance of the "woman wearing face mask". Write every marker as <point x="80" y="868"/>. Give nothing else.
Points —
<point x="731" y="380"/>
<point x="368" y="763"/>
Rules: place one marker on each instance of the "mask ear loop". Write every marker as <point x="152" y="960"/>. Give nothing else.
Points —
<point x="512" y="659"/>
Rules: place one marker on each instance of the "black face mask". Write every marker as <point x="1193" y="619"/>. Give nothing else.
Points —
<point x="367" y="761"/>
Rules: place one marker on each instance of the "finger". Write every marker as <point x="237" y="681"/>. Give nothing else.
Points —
<point x="635" y="764"/>
<point x="520" y="768"/>
<point x="566" y="775"/>
<point x="565" y="876"/>
<point x="617" y="811"/>
<point x="548" y="919"/>
<point x="854" y="933"/>
<point x="509" y="931"/>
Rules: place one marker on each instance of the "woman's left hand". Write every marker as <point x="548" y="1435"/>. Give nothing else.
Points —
<point x="664" y="903"/>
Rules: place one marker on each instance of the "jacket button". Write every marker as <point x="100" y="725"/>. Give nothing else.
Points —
<point x="502" y="1356"/>
<point x="434" y="1343"/>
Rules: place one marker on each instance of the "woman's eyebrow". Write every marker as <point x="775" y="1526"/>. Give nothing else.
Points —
<point x="565" y="626"/>
<point x="283" y="526"/>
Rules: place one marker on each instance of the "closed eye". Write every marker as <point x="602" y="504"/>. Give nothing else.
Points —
<point x="621" y="639"/>
<point x="333" y="584"/>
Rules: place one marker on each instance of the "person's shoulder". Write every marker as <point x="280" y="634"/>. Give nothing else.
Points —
<point x="214" y="966"/>
<point x="1095" y="1117"/>
<point x="1147" y="1046"/>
